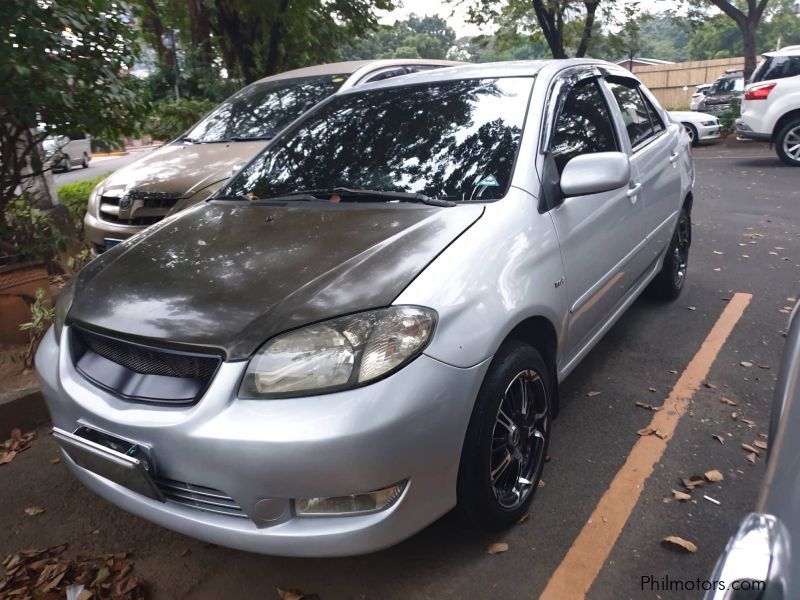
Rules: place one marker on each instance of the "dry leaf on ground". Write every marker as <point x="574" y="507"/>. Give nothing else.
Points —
<point x="748" y="422"/>
<point x="295" y="595"/>
<point x="18" y="442"/>
<point x="746" y="363"/>
<point x="32" y="511"/>
<point x="751" y="457"/>
<point x="760" y="444"/>
<point x="749" y="448"/>
<point x="55" y="461"/>
<point x="678" y="543"/>
<point x="682" y="496"/>
<point x="714" y="476"/>
<point x="727" y="401"/>
<point x="647" y="406"/>
<point x="693" y="482"/>
<point x="523" y="519"/>
<point x="718" y="437"/>
<point x="593" y="393"/>
<point x="710" y="386"/>
<point x="497" y="548"/>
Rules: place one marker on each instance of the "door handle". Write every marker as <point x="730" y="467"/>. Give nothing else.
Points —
<point x="633" y="191"/>
<point x="673" y="157"/>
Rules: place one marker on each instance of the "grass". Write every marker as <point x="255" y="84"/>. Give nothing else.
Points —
<point x="75" y="196"/>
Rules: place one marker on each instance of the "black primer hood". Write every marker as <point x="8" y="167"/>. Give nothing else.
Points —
<point x="229" y="275"/>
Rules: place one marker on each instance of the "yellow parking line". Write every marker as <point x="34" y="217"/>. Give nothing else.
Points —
<point x="588" y="553"/>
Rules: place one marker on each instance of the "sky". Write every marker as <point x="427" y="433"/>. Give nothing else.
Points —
<point x="455" y="15"/>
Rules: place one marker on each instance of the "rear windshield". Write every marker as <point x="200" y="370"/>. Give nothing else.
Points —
<point x="453" y="140"/>
<point x="777" y="67"/>
<point x="262" y="109"/>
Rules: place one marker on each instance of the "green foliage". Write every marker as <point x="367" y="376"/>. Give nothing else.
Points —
<point x="42" y="314"/>
<point x="416" y="37"/>
<point x="171" y="118"/>
<point x="30" y="233"/>
<point x="63" y="66"/>
<point x="75" y="196"/>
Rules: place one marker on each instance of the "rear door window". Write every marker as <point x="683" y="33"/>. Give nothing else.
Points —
<point x="583" y="126"/>
<point x="777" y="67"/>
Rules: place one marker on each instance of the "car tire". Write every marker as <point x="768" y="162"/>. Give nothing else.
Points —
<point x="85" y="161"/>
<point x="669" y="282"/>
<point x="787" y="143"/>
<point x="691" y="131"/>
<point x="505" y="446"/>
<point x="66" y="163"/>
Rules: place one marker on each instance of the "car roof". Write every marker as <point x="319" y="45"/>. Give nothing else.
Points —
<point x="516" y="68"/>
<point x="787" y="51"/>
<point x="351" y="66"/>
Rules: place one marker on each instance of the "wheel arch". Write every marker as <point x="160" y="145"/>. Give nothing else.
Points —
<point x="785" y="118"/>
<point x="539" y="332"/>
<point x="688" y="201"/>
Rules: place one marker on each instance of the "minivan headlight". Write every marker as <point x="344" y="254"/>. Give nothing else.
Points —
<point x="338" y="354"/>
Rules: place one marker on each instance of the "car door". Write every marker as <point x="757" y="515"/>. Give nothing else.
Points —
<point x="597" y="233"/>
<point x="654" y="161"/>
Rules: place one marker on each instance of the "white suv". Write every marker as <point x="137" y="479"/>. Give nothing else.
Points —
<point x="771" y="104"/>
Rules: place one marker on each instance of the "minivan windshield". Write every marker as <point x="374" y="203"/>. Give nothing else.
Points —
<point x="454" y="140"/>
<point x="260" y="110"/>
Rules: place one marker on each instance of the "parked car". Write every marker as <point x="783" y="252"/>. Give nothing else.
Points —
<point x="700" y="127"/>
<point x="762" y="556"/>
<point x="66" y="151"/>
<point x="722" y="92"/>
<point x="366" y="326"/>
<point x="192" y="167"/>
<point x="698" y="95"/>
<point x="771" y="105"/>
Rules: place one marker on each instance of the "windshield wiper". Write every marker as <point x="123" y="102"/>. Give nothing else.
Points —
<point x="252" y="138"/>
<point x="378" y="194"/>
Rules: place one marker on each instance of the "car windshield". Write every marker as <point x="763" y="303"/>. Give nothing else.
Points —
<point x="454" y="140"/>
<point x="260" y="110"/>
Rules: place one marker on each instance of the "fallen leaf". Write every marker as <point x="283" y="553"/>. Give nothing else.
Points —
<point x="295" y="595"/>
<point x="540" y="484"/>
<point x="693" y="482"/>
<point x="692" y="307"/>
<point x="682" y="496"/>
<point x="791" y="299"/>
<point x="186" y="552"/>
<point x="714" y="476"/>
<point x="727" y="401"/>
<point x="749" y="448"/>
<point x="752" y="457"/>
<point x="523" y="519"/>
<point x="652" y="389"/>
<point x="678" y="543"/>
<point x="593" y="393"/>
<point x="719" y="438"/>
<point x="660" y="434"/>
<point x="760" y="444"/>
<point x="646" y="431"/>
<point x="32" y="511"/>
<point x="710" y="386"/>
<point x="497" y="548"/>
<point x="718" y="252"/>
<point x="764" y="367"/>
<point x="746" y="363"/>
<point x="748" y="422"/>
<point x="673" y="371"/>
<point x="717" y="269"/>
<point x="647" y="406"/>
<point x="734" y="415"/>
<point x="55" y="461"/>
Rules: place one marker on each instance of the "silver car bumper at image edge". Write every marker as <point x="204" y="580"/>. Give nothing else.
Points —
<point x="256" y="456"/>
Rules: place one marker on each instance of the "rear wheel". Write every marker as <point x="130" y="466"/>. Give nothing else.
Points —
<point x="85" y="161"/>
<point x="787" y="143"/>
<point x="691" y="131"/>
<point x="506" y="442"/>
<point x="668" y="284"/>
<point x="66" y="163"/>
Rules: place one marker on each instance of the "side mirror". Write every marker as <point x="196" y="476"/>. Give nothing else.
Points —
<point x="595" y="173"/>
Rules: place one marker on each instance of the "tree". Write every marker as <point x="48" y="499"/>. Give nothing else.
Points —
<point x="62" y="70"/>
<point x="748" y="24"/>
<point x="416" y="37"/>
<point x="566" y="25"/>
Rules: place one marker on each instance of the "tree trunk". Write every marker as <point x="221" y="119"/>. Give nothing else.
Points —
<point x="37" y="183"/>
<point x="200" y="30"/>
<point x="552" y="27"/>
<point x="275" y="58"/>
<point x="151" y="22"/>
<point x="749" y="47"/>
<point x="588" y="24"/>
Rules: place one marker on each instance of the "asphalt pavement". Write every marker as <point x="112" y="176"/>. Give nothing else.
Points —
<point x="100" y="165"/>
<point x="601" y="514"/>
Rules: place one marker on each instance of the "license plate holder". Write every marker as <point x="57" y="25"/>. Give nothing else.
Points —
<point x="118" y="460"/>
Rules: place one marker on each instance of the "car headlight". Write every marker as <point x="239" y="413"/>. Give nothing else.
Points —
<point x="63" y="304"/>
<point x="341" y="353"/>
<point x="708" y="123"/>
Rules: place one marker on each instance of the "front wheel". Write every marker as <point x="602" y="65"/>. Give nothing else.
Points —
<point x="787" y="143"/>
<point x="66" y="163"/>
<point x="691" y="131"/>
<point x="507" y="438"/>
<point x="668" y="284"/>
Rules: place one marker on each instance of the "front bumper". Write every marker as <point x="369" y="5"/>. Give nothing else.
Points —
<point x="97" y="231"/>
<point x="708" y="133"/>
<point x="409" y="426"/>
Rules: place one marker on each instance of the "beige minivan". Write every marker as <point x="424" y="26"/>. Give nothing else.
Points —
<point x="191" y="168"/>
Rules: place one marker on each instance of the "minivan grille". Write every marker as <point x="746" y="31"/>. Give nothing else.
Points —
<point x="141" y="372"/>
<point x="199" y="497"/>
<point x="137" y="208"/>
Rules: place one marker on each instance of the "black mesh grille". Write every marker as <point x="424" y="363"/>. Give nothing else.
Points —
<point x="151" y="362"/>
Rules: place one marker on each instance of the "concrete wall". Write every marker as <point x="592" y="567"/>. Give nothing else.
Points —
<point x="667" y="81"/>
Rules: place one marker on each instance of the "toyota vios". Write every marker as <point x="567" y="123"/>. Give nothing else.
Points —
<point x="367" y="325"/>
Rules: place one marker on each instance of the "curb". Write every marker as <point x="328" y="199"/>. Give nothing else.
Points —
<point x="24" y="409"/>
<point x="108" y="154"/>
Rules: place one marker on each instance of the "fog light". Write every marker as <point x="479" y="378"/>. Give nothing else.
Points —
<point x="356" y="504"/>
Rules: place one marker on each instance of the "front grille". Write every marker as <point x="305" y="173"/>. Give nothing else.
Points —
<point x="139" y="372"/>
<point x="139" y="208"/>
<point x="148" y="361"/>
<point x="199" y="497"/>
